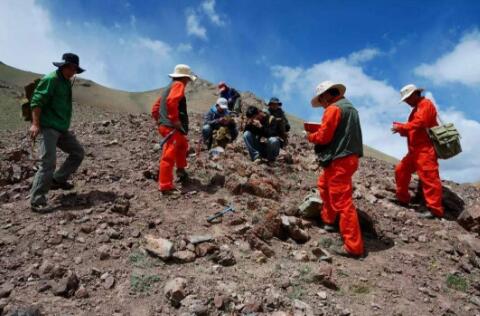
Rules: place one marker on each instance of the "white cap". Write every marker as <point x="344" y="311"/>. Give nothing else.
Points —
<point x="407" y="91"/>
<point x="323" y="87"/>
<point x="222" y="103"/>
<point x="182" y="71"/>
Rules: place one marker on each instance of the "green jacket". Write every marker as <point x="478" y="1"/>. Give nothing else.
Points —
<point x="53" y="95"/>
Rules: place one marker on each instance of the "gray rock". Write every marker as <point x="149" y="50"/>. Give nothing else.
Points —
<point x="67" y="286"/>
<point x="6" y="289"/>
<point x="470" y="218"/>
<point x="302" y="309"/>
<point x="103" y="252"/>
<point x="184" y="256"/>
<point x="224" y="257"/>
<point x="197" y="239"/>
<point x="311" y="206"/>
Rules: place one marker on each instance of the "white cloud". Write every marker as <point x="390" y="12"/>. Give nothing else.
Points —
<point x="461" y="65"/>
<point x="208" y="6"/>
<point x="124" y="60"/>
<point x="363" y="55"/>
<point x="377" y="102"/>
<point x="194" y="27"/>
<point x="184" y="47"/>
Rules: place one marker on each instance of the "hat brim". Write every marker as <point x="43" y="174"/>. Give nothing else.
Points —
<point x="61" y="64"/>
<point x="279" y="103"/>
<point x="408" y="95"/>
<point x="341" y="88"/>
<point x="223" y="107"/>
<point x="192" y="77"/>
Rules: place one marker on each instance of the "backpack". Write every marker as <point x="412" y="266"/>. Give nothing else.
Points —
<point x="26" y="109"/>
<point x="446" y="140"/>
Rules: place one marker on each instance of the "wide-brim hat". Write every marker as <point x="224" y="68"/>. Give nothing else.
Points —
<point x="70" y="59"/>
<point x="408" y="90"/>
<point x="323" y="87"/>
<point x="183" y="71"/>
<point x="274" y="100"/>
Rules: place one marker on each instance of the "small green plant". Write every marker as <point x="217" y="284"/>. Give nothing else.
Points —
<point x="142" y="283"/>
<point x="296" y="293"/>
<point x="457" y="282"/>
<point x="359" y="289"/>
<point x="139" y="259"/>
<point x="326" y="242"/>
<point x="305" y="273"/>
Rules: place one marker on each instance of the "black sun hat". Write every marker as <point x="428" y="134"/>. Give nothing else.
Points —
<point x="69" y="58"/>
<point x="275" y="100"/>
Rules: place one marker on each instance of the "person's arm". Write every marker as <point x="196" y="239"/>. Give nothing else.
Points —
<point x="210" y="118"/>
<point x="41" y="96"/>
<point x="419" y="121"/>
<point x="177" y="92"/>
<point x="156" y="109"/>
<point x="331" y="119"/>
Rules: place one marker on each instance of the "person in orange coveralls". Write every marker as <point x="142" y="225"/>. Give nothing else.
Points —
<point x="421" y="156"/>
<point x="170" y="111"/>
<point x="338" y="146"/>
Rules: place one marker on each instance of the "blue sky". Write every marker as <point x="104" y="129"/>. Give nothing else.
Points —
<point x="281" y="48"/>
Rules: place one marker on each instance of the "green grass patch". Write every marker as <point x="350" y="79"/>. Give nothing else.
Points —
<point x="326" y="242"/>
<point x="457" y="282"/>
<point x="359" y="289"/>
<point x="139" y="260"/>
<point x="142" y="283"/>
<point x="297" y="292"/>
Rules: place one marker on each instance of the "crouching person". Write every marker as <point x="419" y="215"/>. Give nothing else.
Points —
<point x="219" y="122"/>
<point x="170" y="111"/>
<point x="263" y="135"/>
<point x="339" y="147"/>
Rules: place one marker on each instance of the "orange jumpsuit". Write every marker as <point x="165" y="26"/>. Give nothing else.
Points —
<point x="176" y="148"/>
<point x="335" y="185"/>
<point x="421" y="157"/>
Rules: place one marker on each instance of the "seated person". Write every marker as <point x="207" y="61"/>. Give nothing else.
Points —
<point x="274" y="107"/>
<point x="233" y="97"/>
<point x="263" y="135"/>
<point x="218" y="118"/>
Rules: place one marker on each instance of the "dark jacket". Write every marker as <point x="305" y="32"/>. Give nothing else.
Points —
<point x="231" y="95"/>
<point x="271" y="127"/>
<point x="279" y="113"/>
<point x="212" y="117"/>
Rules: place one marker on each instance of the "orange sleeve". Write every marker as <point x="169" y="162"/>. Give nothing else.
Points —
<point x="420" y="119"/>
<point x="331" y="119"/>
<point x="177" y="92"/>
<point x="156" y="109"/>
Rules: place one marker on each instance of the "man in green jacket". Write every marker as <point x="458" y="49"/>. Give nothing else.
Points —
<point x="51" y="116"/>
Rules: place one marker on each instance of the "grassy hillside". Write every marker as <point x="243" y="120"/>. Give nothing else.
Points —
<point x="201" y="95"/>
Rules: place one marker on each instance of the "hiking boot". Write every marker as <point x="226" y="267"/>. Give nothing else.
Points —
<point x="426" y="215"/>
<point x="61" y="185"/>
<point x="258" y="161"/>
<point x="41" y="208"/>
<point x="182" y="175"/>
<point x="339" y="250"/>
<point x="175" y="193"/>
<point x="329" y="228"/>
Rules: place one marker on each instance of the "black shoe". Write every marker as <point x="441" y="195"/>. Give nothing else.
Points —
<point x="182" y="175"/>
<point x="426" y="215"/>
<point x="41" y="208"/>
<point x="61" y="185"/>
<point x="329" y="228"/>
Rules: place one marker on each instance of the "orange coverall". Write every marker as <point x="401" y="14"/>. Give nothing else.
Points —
<point x="176" y="148"/>
<point x="421" y="157"/>
<point x="335" y="185"/>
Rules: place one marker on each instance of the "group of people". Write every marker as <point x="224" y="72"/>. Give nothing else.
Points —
<point x="337" y="142"/>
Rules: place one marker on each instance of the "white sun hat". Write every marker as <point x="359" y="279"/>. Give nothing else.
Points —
<point x="407" y="91"/>
<point x="182" y="71"/>
<point x="222" y="103"/>
<point x="323" y="87"/>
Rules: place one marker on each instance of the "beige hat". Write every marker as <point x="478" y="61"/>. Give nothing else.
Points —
<point x="323" y="87"/>
<point x="182" y="71"/>
<point x="407" y="91"/>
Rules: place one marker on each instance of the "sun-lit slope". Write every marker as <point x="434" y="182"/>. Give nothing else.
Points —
<point x="201" y="95"/>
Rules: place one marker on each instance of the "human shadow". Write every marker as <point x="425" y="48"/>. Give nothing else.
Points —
<point x="80" y="201"/>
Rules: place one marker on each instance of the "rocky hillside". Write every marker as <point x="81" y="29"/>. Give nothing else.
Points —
<point x="115" y="246"/>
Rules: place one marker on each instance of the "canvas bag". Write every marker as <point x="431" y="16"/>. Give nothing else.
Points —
<point x="446" y="139"/>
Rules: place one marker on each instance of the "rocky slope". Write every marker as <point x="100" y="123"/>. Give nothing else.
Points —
<point x="115" y="246"/>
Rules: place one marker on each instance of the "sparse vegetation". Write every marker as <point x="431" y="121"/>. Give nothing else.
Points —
<point x="457" y="282"/>
<point x="142" y="283"/>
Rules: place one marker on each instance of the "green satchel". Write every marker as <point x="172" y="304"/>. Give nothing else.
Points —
<point x="446" y="140"/>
